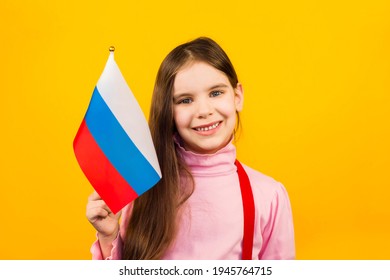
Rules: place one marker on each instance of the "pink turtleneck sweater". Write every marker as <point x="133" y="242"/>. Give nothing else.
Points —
<point x="211" y="224"/>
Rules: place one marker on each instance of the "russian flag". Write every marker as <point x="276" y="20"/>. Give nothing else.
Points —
<point x="113" y="145"/>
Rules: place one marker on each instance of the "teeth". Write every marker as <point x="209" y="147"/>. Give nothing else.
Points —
<point x="208" y="127"/>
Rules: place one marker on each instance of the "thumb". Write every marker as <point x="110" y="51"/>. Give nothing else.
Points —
<point x="116" y="216"/>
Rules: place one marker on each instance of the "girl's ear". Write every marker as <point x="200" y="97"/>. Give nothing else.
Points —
<point x="239" y="97"/>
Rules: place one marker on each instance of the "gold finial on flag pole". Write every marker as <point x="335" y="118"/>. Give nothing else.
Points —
<point x="112" y="49"/>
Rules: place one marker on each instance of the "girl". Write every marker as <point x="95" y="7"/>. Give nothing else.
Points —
<point x="197" y="210"/>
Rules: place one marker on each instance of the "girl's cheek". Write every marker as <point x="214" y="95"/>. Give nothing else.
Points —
<point x="227" y="107"/>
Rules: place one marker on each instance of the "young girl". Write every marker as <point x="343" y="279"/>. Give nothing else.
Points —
<point x="197" y="210"/>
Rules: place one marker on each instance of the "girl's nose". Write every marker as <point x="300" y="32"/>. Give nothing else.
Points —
<point x="205" y="108"/>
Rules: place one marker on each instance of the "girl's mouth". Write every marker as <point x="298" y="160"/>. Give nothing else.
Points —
<point x="207" y="127"/>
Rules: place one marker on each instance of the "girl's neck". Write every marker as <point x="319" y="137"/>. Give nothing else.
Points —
<point x="219" y="163"/>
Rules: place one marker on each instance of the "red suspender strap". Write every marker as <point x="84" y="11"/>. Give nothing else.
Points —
<point x="249" y="212"/>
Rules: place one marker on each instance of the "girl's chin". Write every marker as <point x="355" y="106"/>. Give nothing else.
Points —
<point x="206" y="148"/>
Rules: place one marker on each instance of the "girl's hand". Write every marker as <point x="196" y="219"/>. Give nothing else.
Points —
<point x="101" y="217"/>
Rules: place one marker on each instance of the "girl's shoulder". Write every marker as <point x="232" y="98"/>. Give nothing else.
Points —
<point x="263" y="185"/>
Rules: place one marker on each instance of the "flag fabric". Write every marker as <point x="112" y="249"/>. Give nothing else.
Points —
<point x="113" y="145"/>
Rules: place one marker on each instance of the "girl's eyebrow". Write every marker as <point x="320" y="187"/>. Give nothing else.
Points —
<point x="221" y="85"/>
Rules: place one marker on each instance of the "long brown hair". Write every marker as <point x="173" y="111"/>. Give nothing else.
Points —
<point x="152" y="226"/>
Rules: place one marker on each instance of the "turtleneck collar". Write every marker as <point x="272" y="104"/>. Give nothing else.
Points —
<point x="219" y="163"/>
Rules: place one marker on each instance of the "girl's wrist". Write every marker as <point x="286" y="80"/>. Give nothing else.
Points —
<point x="109" y="237"/>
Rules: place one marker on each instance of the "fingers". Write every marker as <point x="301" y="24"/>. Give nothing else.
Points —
<point x="96" y="213"/>
<point x="97" y="209"/>
<point x="100" y="204"/>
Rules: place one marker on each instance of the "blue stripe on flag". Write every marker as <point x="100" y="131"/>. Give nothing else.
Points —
<point x="118" y="147"/>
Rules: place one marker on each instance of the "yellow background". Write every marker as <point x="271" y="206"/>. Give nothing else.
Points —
<point x="316" y="114"/>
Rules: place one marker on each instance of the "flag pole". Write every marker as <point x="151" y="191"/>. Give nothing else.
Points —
<point x="111" y="49"/>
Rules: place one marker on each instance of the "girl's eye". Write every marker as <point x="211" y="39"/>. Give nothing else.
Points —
<point x="185" y="101"/>
<point x="215" y="93"/>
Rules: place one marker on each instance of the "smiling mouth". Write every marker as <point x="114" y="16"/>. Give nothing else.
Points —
<point x="207" y="128"/>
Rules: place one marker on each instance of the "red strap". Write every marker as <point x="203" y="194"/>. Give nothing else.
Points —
<point x="249" y="212"/>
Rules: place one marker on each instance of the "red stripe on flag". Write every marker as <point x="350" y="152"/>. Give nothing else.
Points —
<point x="103" y="176"/>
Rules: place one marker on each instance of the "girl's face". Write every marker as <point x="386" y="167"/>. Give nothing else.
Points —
<point x="204" y="107"/>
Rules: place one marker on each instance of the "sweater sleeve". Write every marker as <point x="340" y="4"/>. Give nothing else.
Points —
<point x="278" y="234"/>
<point x="116" y="252"/>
